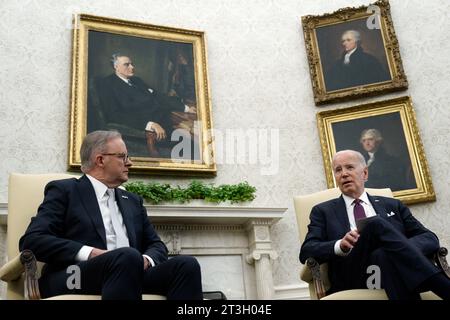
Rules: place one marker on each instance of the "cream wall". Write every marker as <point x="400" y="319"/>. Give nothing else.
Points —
<point x="258" y="79"/>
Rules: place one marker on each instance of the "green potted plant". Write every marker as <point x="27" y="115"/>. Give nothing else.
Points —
<point x="156" y="193"/>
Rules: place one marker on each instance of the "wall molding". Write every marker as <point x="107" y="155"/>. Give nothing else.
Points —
<point x="292" y="292"/>
<point x="194" y="216"/>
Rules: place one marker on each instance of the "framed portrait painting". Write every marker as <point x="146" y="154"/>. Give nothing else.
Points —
<point x="353" y="53"/>
<point x="147" y="82"/>
<point x="386" y="134"/>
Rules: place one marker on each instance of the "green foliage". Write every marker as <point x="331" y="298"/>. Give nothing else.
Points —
<point x="155" y="192"/>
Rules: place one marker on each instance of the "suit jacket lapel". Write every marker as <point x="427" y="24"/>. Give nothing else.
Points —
<point x="90" y="203"/>
<point x="341" y="213"/>
<point x="377" y="206"/>
<point x="122" y="202"/>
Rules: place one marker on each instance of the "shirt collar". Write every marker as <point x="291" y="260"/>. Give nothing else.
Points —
<point x="351" y="51"/>
<point x="123" y="79"/>
<point x="349" y="200"/>
<point x="99" y="187"/>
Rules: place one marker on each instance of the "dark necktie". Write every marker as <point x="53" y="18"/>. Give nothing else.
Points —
<point x="358" y="210"/>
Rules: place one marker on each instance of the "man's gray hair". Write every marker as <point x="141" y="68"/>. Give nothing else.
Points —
<point x="356" y="35"/>
<point x="357" y="154"/>
<point x="114" y="58"/>
<point x="374" y="133"/>
<point x="95" y="142"/>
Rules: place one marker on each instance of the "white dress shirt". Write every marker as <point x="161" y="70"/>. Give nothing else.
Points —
<point x="347" y="56"/>
<point x="102" y="199"/>
<point x="371" y="158"/>
<point x="349" y="205"/>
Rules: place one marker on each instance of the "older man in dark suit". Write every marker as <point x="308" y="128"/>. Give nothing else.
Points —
<point x="355" y="67"/>
<point x="392" y="239"/>
<point x="385" y="170"/>
<point x="91" y="223"/>
<point x="127" y="100"/>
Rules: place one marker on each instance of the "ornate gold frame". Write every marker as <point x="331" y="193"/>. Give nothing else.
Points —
<point x="398" y="78"/>
<point x="84" y="23"/>
<point x="403" y="106"/>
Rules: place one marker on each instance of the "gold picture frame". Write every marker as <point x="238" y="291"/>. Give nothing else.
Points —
<point x="165" y="83"/>
<point x="400" y="161"/>
<point x="371" y="68"/>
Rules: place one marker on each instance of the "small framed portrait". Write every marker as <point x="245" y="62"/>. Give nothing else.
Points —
<point x="148" y="82"/>
<point x="386" y="134"/>
<point x="353" y="53"/>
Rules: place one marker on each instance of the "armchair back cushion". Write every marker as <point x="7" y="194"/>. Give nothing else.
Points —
<point x="25" y="194"/>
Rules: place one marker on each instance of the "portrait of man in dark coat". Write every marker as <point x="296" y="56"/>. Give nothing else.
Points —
<point x="355" y="67"/>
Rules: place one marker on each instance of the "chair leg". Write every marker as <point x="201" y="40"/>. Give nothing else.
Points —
<point x="31" y="280"/>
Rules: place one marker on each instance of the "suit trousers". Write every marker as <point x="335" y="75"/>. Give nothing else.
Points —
<point x="119" y="275"/>
<point x="403" y="266"/>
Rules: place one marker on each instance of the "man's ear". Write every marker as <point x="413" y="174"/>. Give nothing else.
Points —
<point x="99" y="161"/>
<point x="366" y="173"/>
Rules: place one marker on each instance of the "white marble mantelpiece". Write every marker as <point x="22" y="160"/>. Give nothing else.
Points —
<point x="232" y="244"/>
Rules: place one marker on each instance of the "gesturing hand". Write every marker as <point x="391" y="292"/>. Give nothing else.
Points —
<point x="349" y="240"/>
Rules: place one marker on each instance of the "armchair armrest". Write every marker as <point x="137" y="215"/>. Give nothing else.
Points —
<point x="306" y="274"/>
<point x="441" y="260"/>
<point x="26" y="263"/>
<point x="31" y="279"/>
<point x="311" y="273"/>
<point x="12" y="270"/>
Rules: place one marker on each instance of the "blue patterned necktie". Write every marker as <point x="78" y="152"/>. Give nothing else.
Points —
<point x="358" y="210"/>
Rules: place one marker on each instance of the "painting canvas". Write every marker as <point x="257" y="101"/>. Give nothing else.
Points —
<point x="353" y="52"/>
<point x="149" y="83"/>
<point x="386" y="134"/>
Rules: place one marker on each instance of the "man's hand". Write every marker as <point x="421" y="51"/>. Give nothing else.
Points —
<point x="96" y="252"/>
<point x="146" y="263"/>
<point x="349" y="240"/>
<point x="192" y="109"/>
<point x="160" y="132"/>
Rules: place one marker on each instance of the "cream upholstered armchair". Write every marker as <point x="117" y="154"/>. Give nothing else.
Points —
<point x="21" y="272"/>
<point x="317" y="275"/>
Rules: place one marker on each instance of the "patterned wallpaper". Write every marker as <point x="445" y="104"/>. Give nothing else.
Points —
<point x="258" y="78"/>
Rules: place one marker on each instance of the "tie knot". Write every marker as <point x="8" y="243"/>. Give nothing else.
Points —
<point x="357" y="201"/>
<point x="109" y="193"/>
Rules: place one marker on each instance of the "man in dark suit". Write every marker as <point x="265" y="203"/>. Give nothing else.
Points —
<point x="385" y="170"/>
<point x="91" y="223"/>
<point x="392" y="239"/>
<point x="355" y="67"/>
<point x="127" y="100"/>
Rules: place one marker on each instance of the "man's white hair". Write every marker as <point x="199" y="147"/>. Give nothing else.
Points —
<point x="373" y="133"/>
<point x="115" y="57"/>
<point x="356" y="35"/>
<point x="357" y="154"/>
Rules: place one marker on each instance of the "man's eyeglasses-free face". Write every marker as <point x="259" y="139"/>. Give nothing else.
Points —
<point x="124" y="156"/>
